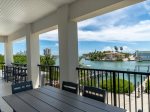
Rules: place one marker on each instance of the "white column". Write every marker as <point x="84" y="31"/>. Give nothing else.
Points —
<point x="8" y="53"/>
<point x="33" y="56"/>
<point x="68" y="46"/>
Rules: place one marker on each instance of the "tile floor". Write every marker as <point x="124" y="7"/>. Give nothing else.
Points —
<point x="5" y="89"/>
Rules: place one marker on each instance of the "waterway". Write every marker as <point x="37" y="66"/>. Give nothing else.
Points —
<point x="117" y="65"/>
<point x="125" y="66"/>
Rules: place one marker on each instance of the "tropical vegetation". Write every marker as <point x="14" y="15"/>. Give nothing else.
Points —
<point x="106" y="55"/>
<point x="108" y="85"/>
<point x="120" y="87"/>
<point x="146" y="89"/>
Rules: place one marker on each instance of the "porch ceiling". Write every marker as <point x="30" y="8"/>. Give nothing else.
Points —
<point x="15" y="14"/>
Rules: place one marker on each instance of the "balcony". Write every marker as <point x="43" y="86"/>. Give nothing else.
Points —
<point x="21" y="19"/>
<point x="131" y="95"/>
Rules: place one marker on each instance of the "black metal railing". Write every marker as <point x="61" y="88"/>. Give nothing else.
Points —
<point x="125" y="89"/>
<point x="14" y="73"/>
<point x="19" y="64"/>
<point x="49" y="75"/>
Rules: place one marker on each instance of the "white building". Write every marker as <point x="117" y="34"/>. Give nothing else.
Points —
<point x="47" y="51"/>
<point x="143" y="55"/>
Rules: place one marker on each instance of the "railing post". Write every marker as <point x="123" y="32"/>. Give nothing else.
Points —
<point x="114" y="89"/>
<point x="50" y="76"/>
<point x="40" y="80"/>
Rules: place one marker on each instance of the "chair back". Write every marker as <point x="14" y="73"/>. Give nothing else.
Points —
<point x="95" y="93"/>
<point x="70" y="87"/>
<point x="28" y="85"/>
<point x="140" y="110"/>
<point x="23" y="86"/>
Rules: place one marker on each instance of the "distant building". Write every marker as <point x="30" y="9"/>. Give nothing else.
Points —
<point x="47" y="51"/>
<point x="142" y="55"/>
<point x="113" y="56"/>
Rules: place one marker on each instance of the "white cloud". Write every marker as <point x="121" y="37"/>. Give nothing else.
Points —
<point x="127" y="29"/>
<point x="19" y="41"/>
<point x="108" y="48"/>
<point x="51" y="36"/>
<point x="138" y="32"/>
<point x="104" y="20"/>
<point x="127" y="49"/>
<point x="109" y="31"/>
<point x="147" y="5"/>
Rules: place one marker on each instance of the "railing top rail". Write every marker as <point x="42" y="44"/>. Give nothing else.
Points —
<point x="47" y="65"/>
<point x="117" y="71"/>
<point x="2" y="63"/>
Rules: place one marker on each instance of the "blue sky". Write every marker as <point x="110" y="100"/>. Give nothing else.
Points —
<point x="128" y="27"/>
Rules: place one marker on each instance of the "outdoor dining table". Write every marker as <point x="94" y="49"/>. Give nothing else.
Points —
<point x="50" y="99"/>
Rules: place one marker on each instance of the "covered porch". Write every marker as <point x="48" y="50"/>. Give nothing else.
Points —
<point x="29" y="19"/>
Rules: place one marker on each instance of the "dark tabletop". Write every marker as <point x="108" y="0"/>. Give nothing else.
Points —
<point x="49" y="99"/>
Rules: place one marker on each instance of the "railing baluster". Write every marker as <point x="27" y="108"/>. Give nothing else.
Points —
<point x="102" y="79"/>
<point x="57" y="80"/>
<point x="129" y="93"/>
<point x="141" y="92"/>
<point x="82" y="84"/>
<point x="48" y="70"/>
<point x="135" y="92"/>
<point x="91" y="77"/>
<point x="88" y="77"/>
<point x="106" y="86"/>
<point x="98" y="75"/>
<point x="94" y="78"/>
<point x="111" y="85"/>
<point x="114" y="89"/>
<point x="54" y="76"/>
<point x="118" y="90"/>
<point x="123" y="92"/>
<point x="40" y="78"/>
<point x="79" y="80"/>
<point x="148" y="95"/>
<point x="84" y="77"/>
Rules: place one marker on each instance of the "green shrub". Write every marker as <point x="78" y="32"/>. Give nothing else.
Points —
<point x="109" y="86"/>
<point x="47" y="60"/>
<point x="22" y="59"/>
<point x="120" y="89"/>
<point x="1" y="58"/>
<point x="146" y="89"/>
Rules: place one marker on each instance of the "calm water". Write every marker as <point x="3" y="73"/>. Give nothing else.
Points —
<point x="128" y="65"/>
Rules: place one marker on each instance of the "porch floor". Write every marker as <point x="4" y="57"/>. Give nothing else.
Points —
<point x="5" y="89"/>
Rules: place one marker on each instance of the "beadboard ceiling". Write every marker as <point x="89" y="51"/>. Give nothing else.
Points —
<point x="15" y="14"/>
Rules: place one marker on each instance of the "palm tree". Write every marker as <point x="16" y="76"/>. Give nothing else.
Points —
<point x="116" y="48"/>
<point x="121" y="49"/>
